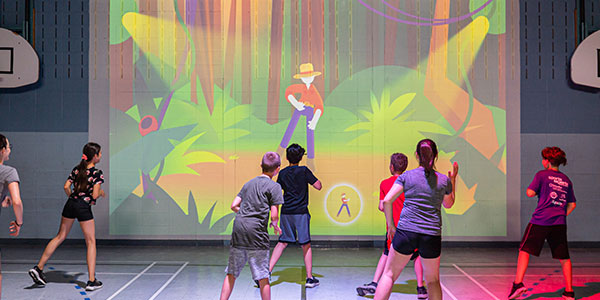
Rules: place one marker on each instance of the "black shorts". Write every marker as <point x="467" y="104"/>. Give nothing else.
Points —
<point x="386" y="249"/>
<point x="428" y="246"/>
<point x="77" y="209"/>
<point x="535" y="235"/>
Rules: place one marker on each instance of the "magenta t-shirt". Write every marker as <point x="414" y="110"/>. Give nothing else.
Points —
<point x="554" y="190"/>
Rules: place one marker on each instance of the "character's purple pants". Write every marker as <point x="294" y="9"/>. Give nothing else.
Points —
<point x="310" y="134"/>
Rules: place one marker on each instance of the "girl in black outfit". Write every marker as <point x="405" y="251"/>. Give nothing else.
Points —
<point x="85" y="181"/>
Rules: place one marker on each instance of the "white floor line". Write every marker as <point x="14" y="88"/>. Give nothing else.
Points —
<point x="476" y="282"/>
<point x="131" y="281"/>
<point x="168" y="282"/>
<point x="448" y="292"/>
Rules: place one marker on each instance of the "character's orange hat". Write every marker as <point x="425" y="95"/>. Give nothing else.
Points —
<point x="306" y="70"/>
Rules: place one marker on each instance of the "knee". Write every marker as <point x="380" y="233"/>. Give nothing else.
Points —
<point x="305" y="247"/>
<point x="283" y="244"/>
<point x="60" y="237"/>
<point x="432" y="280"/>
<point x="90" y="240"/>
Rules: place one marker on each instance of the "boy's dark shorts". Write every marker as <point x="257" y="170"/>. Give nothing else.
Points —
<point x="429" y="246"/>
<point x="295" y="227"/>
<point x="535" y="235"/>
<point x="388" y="244"/>
<point x="77" y="209"/>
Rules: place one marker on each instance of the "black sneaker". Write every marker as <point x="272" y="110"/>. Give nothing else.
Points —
<point x="422" y="292"/>
<point x="517" y="290"/>
<point x="38" y="276"/>
<point x="311" y="282"/>
<point x="92" y="286"/>
<point x="568" y="295"/>
<point x="367" y="289"/>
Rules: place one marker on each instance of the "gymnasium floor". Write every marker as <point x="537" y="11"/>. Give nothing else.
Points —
<point x="177" y="272"/>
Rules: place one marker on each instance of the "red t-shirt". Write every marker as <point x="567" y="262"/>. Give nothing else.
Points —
<point x="384" y="187"/>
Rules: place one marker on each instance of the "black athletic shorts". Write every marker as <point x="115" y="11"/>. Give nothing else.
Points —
<point x="386" y="249"/>
<point x="77" y="209"/>
<point x="428" y="246"/>
<point x="535" y="235"/>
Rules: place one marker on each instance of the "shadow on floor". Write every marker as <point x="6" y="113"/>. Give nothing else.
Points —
<point x="590" y="289"/>
<point x="292" y="275"/>
<point x="409" y="288"/>
<point x="59" y="277"/>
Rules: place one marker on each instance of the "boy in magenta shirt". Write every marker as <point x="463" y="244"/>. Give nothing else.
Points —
<point x="556" y="200"/>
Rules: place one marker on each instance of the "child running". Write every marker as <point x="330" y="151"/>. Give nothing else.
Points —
<point x="295" y="218"/>
<point x="420" y="224"/>
<point x="83" y="189"/>
<point x="9" y="190"/>
<point x="250" y="238"/>
<point x="398" y="164"/>
<point x="556" y="200"/>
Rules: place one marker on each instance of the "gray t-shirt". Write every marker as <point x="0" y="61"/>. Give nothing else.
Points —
<point x="8" y="175"/>
<point x="423" y="198"/>
<point x="252" y="220"/>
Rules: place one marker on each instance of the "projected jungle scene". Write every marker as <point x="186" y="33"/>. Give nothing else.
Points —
<point x="200" y="90"/>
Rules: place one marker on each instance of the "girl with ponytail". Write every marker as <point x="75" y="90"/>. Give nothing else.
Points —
<point x="83" y="188"/>
<point x="420" y="225"/>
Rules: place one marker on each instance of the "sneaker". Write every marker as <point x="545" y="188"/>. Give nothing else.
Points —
<point x="311" y="282"/>
<point x="92" y="286"/>
<point x="422" y="292"/>
<point x="367" y="289"/>
<point x="517" y="290"/>
<point x="568" y="295"/>
<point x="38" y="276"/>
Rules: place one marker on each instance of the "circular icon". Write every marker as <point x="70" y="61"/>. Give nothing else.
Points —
<point x="553" y="195"/>
<point x="343" y="204"/>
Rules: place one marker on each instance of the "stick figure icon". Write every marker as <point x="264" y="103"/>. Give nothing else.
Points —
<point x="344" y="204"/>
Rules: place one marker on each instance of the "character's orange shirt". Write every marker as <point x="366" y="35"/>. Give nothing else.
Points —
<point x="309" y="97"/>
<point x="345" y="200"/>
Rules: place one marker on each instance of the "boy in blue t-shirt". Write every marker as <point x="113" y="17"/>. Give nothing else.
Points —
<point x="556" y="200"/>
<point x="295" y="218"/>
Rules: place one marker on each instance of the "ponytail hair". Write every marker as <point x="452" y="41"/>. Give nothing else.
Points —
<point x="3" y="142"/>
<point x="81" y="181"/>
<point x="427" y="152"/>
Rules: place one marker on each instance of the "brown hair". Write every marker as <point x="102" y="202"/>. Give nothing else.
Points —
<point x="399" y="162"/>
<point x="270" y="162"/>
<point x="555" y="156"/>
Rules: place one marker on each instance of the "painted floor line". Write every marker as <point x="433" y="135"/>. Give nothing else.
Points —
<point x="131" y="281"/>
<point x="476" y="282"/>
<point x="445" y="289"/>
<point x="168" y="281"/>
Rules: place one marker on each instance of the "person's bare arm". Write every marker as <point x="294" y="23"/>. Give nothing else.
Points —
<point x="570" y="207"/>
<point x="67" y="188"/>
<point x="449" y="199"/>
<point x="531" y="193"/>
<point x="15" y="196"/>
<point x="390" y="197"/>
<point x="235" y="205"/>
<point x="275" y="219"/>
<point x="317" y="185"/>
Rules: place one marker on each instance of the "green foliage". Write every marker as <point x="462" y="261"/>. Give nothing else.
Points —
<point x="390" y="118"/>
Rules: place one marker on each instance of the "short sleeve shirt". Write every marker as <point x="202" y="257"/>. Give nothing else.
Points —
<point x="554" y="190"/>
<point x="294" y="181"/>
<point x="384" y="187"/>
<point x="8" y="175"/>
<point x="94" y="176"/>
<point x="423" y="197"/>
<point x="251" y="221"/>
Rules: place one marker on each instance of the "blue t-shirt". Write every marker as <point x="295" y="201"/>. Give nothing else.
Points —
<point x="554" y="190"/>
<point x="294" y="181"/>
<point x="423" y="198"/>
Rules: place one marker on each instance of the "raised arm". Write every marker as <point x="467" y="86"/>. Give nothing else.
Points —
<point x="15" y="195"/>
<point x="448" y="201"/>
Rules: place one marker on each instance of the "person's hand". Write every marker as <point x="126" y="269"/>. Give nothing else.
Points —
<point x="275" y="228"/>
<point x="101" y="194"/>
<point x="300" y="106"/>
<point x="391" y="230"/>
<point x="312" y="124"/>
<point x="6" y="202"/>
<point x="14" y="229"/>
<point x="452" y="174"/>
<point x="381" y="205"/>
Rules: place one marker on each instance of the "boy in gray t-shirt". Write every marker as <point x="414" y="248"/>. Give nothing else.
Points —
<point x="250" y="238"/>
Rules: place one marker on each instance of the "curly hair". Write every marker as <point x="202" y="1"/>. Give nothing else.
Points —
<point x="555" y="156"/>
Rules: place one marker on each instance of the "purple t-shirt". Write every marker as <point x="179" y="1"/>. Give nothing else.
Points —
<point x="554" y="190"/>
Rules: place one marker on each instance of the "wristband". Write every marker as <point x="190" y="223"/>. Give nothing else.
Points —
<point x="18" y="225"/>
